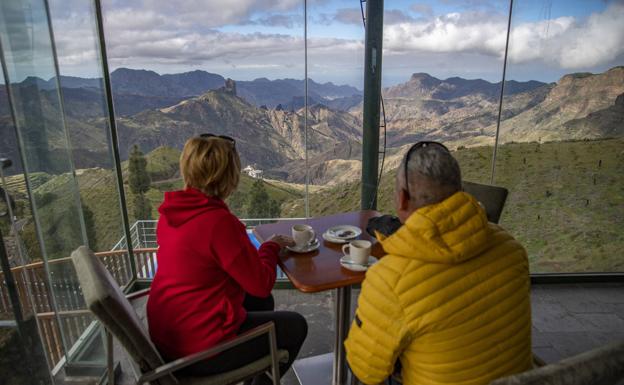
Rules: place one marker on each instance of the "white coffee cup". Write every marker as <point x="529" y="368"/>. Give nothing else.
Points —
<point x="359" y="251"/>
<point x="303" y="235"/>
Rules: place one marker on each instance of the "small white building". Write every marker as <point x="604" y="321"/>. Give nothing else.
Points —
<point x="252" y="172"/>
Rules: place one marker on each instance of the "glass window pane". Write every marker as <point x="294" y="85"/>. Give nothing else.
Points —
<point x="88" y="125"/>
<point x="163" y="102"/>
<point x="22" y="349"/>
<point x="560" y="153"/>
<point x="435" y="86"/>
<point x="57" y="220"/>
<point x="335" y="92"/>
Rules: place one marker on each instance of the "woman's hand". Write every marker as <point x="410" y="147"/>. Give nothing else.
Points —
<point x="282" y="240"/>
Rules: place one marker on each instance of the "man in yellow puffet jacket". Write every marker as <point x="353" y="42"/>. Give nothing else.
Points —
<point x="450" y="299"/>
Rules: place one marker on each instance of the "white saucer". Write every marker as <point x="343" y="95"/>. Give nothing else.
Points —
<point x="329" y="238"/>
<point x="346" y="262"/>
<point x="310" y="247"/>
<point x="343" y="232"/>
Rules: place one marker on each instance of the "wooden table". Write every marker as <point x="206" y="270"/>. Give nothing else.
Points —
<point x="320" y="270"/>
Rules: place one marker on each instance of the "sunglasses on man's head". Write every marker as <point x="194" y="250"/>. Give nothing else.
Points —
<point x="224" y="137"/>
<point x="416" y="146"/>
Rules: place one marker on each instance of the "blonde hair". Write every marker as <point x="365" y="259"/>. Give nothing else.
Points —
<point x="211" y="165"/>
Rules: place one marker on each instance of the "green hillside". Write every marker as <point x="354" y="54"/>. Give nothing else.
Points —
<point x="276" y="191"/>
<point x="565" y="203"/>
<point x="162" y="163"/>
<point x="100" y="202"/>
<point x="16" y="184"/>
<point x="56" y="206"/>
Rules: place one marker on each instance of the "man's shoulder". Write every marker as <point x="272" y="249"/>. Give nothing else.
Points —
<point x="390" y="268"/>
<point x="500" y="238"/>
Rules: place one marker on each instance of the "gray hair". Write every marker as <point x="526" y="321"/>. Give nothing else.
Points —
<point x="437" y="165"/>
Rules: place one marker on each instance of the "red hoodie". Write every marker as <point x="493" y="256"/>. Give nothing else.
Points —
<point x="206" y="264"/>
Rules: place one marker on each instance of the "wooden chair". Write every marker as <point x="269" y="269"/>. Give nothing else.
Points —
<point x="109" y="305"/>
<point x="491" y="197"/>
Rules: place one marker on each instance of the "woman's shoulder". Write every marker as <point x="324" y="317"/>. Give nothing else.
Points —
<point x="220" y="216"/>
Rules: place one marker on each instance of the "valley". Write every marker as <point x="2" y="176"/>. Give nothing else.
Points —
<point x="560" y="152"/>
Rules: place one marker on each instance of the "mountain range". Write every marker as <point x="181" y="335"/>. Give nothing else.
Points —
<point x="143" y="89"/>
<point x="269" y="138"/>
<point x="266" y="116"/>
<point x="463" y="112"/>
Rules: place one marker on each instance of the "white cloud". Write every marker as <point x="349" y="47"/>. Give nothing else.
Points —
<point x="214" y="13"/>
<point x="422" y="8"/>
<point x="599" y="40"/>
<point x="354" y="16"/>
<point x="453" y="32"/>
<point x="177" y="36"/>
<point x="395" y="16"/>
<point x="538" y="40"/>
<point x="348" y="16"/>
<point x="151" y="33"/>
<point x="280" y="20"/>
<point x="564" y="42"/>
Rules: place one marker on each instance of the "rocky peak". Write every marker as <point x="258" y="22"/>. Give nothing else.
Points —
<point x="420" y="85"/>
<point x="424" y="80"/>
<point x="585" y="87"/>
<point x="230" y="86"/>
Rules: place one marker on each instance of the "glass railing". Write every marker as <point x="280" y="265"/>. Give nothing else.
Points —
<point x="143" y="236"/>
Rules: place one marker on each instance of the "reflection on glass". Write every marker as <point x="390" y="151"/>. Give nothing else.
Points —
<point x="89" y="131"/>
<point x="336" y="83"/>
<point x="19" y="337"/>
<point x="56" y="220"/>
<point x="17" y="366"/>
<point x="561" y="149"/>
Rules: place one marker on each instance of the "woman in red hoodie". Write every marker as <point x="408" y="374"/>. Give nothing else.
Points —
<point x="212" y="283"/>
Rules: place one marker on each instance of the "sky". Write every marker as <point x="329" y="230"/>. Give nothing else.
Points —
<point x="247" y="39"/>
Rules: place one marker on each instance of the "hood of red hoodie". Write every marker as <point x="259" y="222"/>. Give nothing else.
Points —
<point x="181" y="206"/>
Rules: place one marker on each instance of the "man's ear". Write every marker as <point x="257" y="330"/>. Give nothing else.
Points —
<point x="404" y="200"/>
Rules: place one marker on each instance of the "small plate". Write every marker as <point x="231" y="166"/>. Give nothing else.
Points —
<point x="310" y="247"/>
<point x="343" y="232"/>
<point x="328" y="238"/>
<point x="346" y="262"/>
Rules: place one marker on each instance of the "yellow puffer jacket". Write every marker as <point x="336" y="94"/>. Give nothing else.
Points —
<point x="450" y="300"/>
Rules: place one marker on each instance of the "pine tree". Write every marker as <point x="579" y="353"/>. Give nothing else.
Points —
<point x="89" y="221"/>
<point x="275" y="209"/>
<point x="142" y="207"/>
<point x="236" y="203"/>
<point x="138" y="179"/>
<point x="259" y="204"/>
<point x="139" y="182"/>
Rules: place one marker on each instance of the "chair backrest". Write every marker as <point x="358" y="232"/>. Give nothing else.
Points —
<point x="491" y="197"/>
<point x="601" y="366"/>
<point x="106" y="300"/>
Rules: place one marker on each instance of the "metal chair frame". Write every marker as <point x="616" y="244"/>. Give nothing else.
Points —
<point x="169" y="368"/>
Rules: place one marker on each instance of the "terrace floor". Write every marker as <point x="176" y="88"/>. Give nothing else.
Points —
<point x="567" y="319"/>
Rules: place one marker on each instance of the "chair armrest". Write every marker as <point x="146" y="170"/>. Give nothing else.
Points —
<point x="538" y="362"/>
<point x="183" y="362"/>
<point x="137" y="294"/>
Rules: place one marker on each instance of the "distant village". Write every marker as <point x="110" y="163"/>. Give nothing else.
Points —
<point x="252" y="171"/>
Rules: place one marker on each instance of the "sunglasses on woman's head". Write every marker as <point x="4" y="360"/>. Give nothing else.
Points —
<point x="415" y="147"/>
<point x="224" y="137"/>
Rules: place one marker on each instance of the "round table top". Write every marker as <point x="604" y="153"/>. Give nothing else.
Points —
<point x="320" y="269"/>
